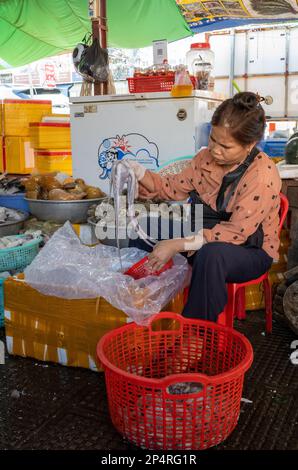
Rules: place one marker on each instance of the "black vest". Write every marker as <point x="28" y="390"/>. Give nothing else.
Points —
<point x="230" y="182"/>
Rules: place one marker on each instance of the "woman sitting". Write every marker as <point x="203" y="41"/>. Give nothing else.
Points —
<point x="239" y="188"/>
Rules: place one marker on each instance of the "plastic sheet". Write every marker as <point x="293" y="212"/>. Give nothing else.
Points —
<point x="66" y="268"/>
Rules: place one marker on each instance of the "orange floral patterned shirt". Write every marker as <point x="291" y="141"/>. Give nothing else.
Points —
<point x="255" y="201"/>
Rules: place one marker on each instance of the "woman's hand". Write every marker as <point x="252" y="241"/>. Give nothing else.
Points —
<point x="143" y="176"/>
<point x="163" y="252"/>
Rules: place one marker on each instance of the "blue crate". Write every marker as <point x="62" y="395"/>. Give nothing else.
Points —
<point x="1" y="303"/>
<point x="15" y="201"/>
<point x="273" y="147"/>
<point x="202" y="135"/>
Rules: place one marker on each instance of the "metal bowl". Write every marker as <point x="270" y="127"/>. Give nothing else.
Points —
<point x="123" y="242"/>
<point x="61" y="211"/>
<point x="13" y="227"/>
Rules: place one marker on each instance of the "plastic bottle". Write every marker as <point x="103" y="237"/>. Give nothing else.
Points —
<point x="200" y="64"/>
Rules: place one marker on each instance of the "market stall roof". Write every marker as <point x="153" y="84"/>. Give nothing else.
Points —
<point x="205" y="15"/>
<point x="33" y="29"/>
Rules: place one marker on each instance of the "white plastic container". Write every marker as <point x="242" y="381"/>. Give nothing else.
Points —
<point x="200" y="64"/>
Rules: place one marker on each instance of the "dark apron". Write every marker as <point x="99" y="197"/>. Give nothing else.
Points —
<point x="230" y="183"/>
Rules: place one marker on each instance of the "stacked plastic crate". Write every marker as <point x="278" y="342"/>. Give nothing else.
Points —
<point x="254" y="295"/>
<point x="274" y="148"/>
<point x="16" y="153"/>
<point x="1" y="150"/>
<point x="50" y="328"/>
<point x="52" y="146"/>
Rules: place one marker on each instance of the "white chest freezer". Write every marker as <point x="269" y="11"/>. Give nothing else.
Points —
<point x="153" y="128"/>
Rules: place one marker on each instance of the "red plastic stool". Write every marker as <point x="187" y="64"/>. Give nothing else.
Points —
<point x="236" y="292"/>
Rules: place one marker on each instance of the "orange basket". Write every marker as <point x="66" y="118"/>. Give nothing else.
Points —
<point x="174" y="388"/>
<point x="139" y="269"/>
<point x="153" y="83"/>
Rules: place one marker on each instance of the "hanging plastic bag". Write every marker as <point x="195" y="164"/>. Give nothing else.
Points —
<point x="94" y="63"/>
<point x="80" y="49"/>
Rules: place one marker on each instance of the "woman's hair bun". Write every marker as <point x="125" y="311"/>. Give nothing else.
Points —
<point x="244" y="116"/>
<point x="247" y="100"/>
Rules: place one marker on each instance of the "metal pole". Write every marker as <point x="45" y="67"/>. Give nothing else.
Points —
<point x="99" y="31"/>
<point x="246" y="61"/>
<point x="103" y="35"/>
<point x="287" y="72"/>
<point x="232" y="67"/>
<point x="103" y="23"/>
<point x="96" y="35"/>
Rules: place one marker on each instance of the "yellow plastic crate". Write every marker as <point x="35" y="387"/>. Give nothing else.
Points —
<point x="19" y="156"/>
<point x="15" y="115"/>
<point x="54" y="329"/>
<point x="50" y="135"/>
<point x="54" y="117"/>
<point x="1" y="155"/>
<point x="47" y="161"/>
<point x="254" y="294"/>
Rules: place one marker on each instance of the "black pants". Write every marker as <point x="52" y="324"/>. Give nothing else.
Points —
<point x="214" y="265"/>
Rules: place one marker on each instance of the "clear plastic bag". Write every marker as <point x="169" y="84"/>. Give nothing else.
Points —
<point x="66" y="268"/>
<point x="182" y="76"/>
<point x="183" y="85"/>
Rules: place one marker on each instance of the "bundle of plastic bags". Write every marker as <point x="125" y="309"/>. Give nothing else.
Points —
<point x="66" y="268"/>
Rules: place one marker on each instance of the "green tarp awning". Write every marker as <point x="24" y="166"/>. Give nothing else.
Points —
<point x="32" y="29"/>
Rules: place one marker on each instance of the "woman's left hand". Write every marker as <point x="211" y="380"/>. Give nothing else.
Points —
<point x="163" y="252"/>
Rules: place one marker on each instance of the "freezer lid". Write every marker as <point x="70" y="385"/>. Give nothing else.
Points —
<point x="113" y="98"/>
<point x="201" y="94"/>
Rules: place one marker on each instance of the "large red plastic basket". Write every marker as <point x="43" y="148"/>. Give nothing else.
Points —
<point x="153" y="83"/>
<point x="145" y="367"/>
<point x="140" y="269"/>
